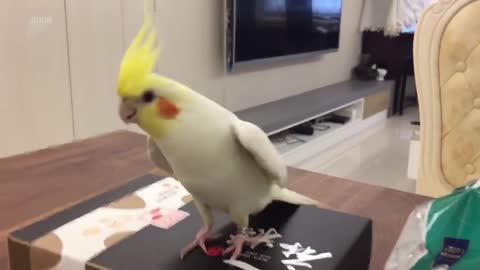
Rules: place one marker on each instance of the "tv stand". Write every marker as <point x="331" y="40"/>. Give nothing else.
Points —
<point x="365" y="103"/>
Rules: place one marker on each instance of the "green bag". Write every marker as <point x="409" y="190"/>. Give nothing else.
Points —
<point x="441" y="234"/>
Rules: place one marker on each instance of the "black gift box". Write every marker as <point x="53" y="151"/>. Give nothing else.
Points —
<point x="306" y="232"/>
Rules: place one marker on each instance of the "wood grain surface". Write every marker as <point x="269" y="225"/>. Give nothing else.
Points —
<point x="36" y="185"/>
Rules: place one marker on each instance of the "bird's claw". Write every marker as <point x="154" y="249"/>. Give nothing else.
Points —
<point x="200" y="240"/>
<point x="236" y="245"/>
<point x="196" y="243"/>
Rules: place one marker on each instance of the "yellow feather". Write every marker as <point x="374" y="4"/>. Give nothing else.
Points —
<point x="139" y="59"/>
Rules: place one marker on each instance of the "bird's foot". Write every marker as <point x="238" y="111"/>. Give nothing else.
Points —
<point x="202" y="236"/>
<point x="238" y="241"/>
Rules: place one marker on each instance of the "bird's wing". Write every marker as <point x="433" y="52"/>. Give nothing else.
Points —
<point x="257" y="143"/>
<point x="157" y="157"/>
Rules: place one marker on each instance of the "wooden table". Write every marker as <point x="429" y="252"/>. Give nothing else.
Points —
<point x="38" y="184"/>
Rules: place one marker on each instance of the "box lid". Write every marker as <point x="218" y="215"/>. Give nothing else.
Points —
<point x="144" y="225"/>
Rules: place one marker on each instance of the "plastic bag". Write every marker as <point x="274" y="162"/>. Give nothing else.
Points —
<point x="441" y="234"/>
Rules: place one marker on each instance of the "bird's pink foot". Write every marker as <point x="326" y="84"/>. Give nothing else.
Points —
<point x="202" y="236"/>
<point x="237" y="242"/>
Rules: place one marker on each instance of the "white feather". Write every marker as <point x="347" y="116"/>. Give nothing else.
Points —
<point x="225" y="163"/>
<point x="157" y="157"/>
<point x="257" y="143"/>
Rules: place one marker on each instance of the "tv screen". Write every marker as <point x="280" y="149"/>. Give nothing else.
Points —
<point x="263" y="29"/>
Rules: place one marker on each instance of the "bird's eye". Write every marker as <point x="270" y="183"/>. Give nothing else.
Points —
<point x="148" y="96"/>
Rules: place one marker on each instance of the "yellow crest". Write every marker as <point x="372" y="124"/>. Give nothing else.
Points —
<point x="139" y="59"/>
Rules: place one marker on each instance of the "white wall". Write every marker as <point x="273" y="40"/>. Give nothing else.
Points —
<point x="192" y="38"/>
<point x="35" y="100"/>
<point x="95" y="39"/>
<point x="60" y="59"/>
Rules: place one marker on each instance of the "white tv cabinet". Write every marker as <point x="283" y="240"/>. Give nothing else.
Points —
<point x="366" y="103"/>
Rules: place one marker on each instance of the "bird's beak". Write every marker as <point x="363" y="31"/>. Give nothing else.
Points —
<point x="127" y="112"/>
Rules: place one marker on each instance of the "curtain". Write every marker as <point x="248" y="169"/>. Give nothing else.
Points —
<point x="392" y="16"/>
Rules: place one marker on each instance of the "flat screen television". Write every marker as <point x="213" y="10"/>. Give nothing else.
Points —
<point x="260" y="30"/>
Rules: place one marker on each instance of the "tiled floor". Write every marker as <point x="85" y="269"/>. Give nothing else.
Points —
<point x="378" y="156"/>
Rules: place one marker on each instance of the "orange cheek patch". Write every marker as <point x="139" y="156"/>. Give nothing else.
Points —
<point x="167" y="109"/>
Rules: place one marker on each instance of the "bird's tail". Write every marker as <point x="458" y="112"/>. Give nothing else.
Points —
<point x="286" y="195"/>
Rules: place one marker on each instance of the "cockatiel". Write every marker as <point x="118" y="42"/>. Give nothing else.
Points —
<point x="225" y="163"/>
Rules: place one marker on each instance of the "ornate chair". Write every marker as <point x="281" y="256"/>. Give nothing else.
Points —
<point x="447" y="71"/>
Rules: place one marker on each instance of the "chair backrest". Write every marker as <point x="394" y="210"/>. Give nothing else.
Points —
<point x="447" y="72"/>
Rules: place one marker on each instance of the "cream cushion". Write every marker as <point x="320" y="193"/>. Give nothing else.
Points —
<point x="459" y="72"/>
